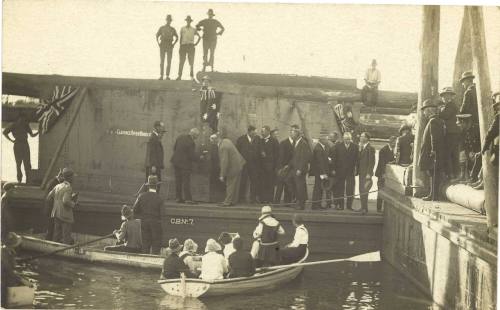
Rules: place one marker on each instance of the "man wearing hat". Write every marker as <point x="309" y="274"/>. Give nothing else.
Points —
<point x="173" y="265"/>
<point x="469" y="106"/>
<point x="448" y="113"/>
<point x="154" y="151"/>
<point x="491" y="140"/>
<point x="210" y="26"/>
<point x="432" y="157"/>
<point x="266" y="233"/>
<point x="62" y="211"/>
<point x="404" y="145"/>
<point x="364" y="169"/>
<point x="47" y="210"/>
<point x="129" y="235"/>
<point x="320" y="169"/>
<point x="385" y="156"/>
<point x="148" y="208"/>
<point x="165" y="39"/>
<point x="187" y="47"/>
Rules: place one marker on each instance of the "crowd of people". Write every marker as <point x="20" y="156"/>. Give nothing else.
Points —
<point x="167" y="37"/>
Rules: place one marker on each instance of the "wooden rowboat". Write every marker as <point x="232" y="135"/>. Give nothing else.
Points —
<point x="188" y="287"/>
<point x="94" y="253"/>
<point x="20" y="296"/>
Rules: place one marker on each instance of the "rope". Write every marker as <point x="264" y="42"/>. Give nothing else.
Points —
<point x="321" y="200"/>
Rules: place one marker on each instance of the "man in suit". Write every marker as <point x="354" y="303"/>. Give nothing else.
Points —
<point x="285" y="156"/>
<point x="231" y="164"/>
<point x="344" y="165"/>
<point x="299" y="166"/>
<point x="320" y="169"/>
<point x="404" y="146"/>
<point x="385" y="156"/>
<point x="432" y="157"/>
<point x="154" y="151"/>
<point x="182" y="159"/>
<point x="249" y="147"/>
<point x="364" y="169"/>
<point x="333" y="140"/>
<point x="448" y="113"/>
<point x="269" y="156"/>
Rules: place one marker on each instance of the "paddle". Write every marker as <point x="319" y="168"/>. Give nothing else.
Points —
<point x="26" y="259"/>
<point x="367" y="257"/>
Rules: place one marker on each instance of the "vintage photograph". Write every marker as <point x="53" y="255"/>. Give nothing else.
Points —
<point x="228" y="155"/>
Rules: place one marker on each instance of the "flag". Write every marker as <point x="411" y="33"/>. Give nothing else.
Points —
<point x="50" y="110"/>
<point x="210" y="107"/>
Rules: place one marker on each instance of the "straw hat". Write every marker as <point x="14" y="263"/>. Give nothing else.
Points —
<point x="428" y="104"/>
<point x="212" y="246"/>
<point x="266" y="210"/>
<point x="174" y="245"/>
<point x="67" y="173"/>
<point x="467" y="75"/>
<point x="190" y="245"/>
<point x="188" y="18"/>
<point x="447" y="90"/>
<point x="13" y="240"/>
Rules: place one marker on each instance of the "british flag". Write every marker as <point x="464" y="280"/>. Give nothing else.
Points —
<point x="51" y="110"/>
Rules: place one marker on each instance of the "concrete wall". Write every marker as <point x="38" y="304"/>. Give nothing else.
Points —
<point x="457" y="270"/>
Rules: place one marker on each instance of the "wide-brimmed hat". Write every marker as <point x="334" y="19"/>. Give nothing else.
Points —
<point x="447" y="90"/>
<point x="467" y="75"/>
<point x="212" y="246"/>
<point x="152" y="180"/>
<point x="127" y="212"/>
<point x="8" y="186"/>
<point x="188" y="18"/>
<point x="210" y="12"/>
<point x="428" y="104"/>
<point x="67" y="173"/>
<point x="464" y="116"/>
<point x="266" y="210"/>
<point x="174" y="245"/>
<point x="190" y="245"/>
<point x="13" y="240"/>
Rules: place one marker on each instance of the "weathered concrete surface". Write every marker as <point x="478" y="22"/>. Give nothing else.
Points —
<point x="443" y="248"/>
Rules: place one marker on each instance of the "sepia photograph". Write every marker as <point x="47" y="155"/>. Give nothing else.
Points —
<point x="249" y="155"/>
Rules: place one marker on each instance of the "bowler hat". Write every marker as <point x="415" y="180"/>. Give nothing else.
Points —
<point x="210" y="12"/>
<point x="13" y="240"/>
<point x="428" y="104"/>
<point x="127" y="212"/>
<point x="447" y="90"/>
<point x="174" y="245"/>
<point x="467" y="75"/>
<point x="152" y="180"/>
<point x="188" y="18"/>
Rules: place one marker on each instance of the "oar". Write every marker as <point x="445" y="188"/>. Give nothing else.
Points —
<point x="65" y="248"/>
<point x="367" y="257"/>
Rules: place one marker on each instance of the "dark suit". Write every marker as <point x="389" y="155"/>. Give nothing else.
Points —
<point x="385" y="156"/>
<point x="448" y="114"/>
<point x="147" y="207"/>
<point x="365" y="165"/>
<point x="345" y="160"/>
<point x="252" y="169"/>
<point x="319" y="166"/>
<point x="491" y="139"/>
<point x="300" y="162"/>
<point x="285" y="156"/>
<point x="469" y="106"/>
<point x="404" y="149"/>
<point x="154" y="156"/>
<point x="433" y="141"/>
<point x="270" y="156"/>
<point x="216" y="188"/>
<point x="241" y="264"/>
<point x="182" y="159"/>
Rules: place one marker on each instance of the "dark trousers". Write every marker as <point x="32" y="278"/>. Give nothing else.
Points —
<point x="50" y="229"/>
<point x="250" y="178"/>
<point x="344" y="187"/>
<point x="158" y="174"/>
<point x="182" y="183"/>
<point x="477" y="164"/>
<point x="22" y="155"/>
<point x="209" y="46"/>
<point x="165" y="50"/>
<point x="363" y="194"/>
<point x="268" y="181"/>
<point x="317" y="192"/>
<point x="380" y="185"/>
<point x="453" y="154"/>
<point x="282" y="189"/>
<point x="369" y="95"/>
<point x="435" y="183"/>
<point x="151" y="236"/>
<point x="293" y="254"/>
<point x="122" y="248"/>
<point x="62" y="232"/>
<point x="186" y="49"/>
<point x="300" y="189"/>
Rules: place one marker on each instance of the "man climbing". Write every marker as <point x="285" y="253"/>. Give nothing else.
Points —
<point x="210" y="33"/>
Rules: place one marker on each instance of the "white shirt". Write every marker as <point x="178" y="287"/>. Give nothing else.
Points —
<point x="213" y="266"/>
<point x="301" y="236"/>
<point x="228" y="250"/>
<point x="187" y="35"/>
<point x="269" y="221"/>
<point x="372" y="75"/>
<point x="249" y="139"/>
<point x="291" y="141"/>
<point x="297" y="142"/>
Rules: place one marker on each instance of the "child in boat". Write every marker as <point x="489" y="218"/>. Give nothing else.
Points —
<point x="296" y="250"/>
<point x="213" y="264"/>
<point x="173" y="265"/>
<point x="266" y="233"/>
<point x="190" y="257"/>
<point x="241" y="263"/>
<point x="129" y="235"/>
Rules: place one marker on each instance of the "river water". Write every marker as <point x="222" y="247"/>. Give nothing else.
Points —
<point x="72" y="285"/>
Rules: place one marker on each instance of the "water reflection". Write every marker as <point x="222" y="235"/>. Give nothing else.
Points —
<point x="177" y="303"/>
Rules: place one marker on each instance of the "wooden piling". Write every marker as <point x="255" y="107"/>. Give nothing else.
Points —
<point x="428" y="84"/>
<point x="463" y="58"/>
<point x="483" y="87"/>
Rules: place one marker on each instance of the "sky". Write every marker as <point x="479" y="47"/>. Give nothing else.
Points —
<point x="117" y="39"/>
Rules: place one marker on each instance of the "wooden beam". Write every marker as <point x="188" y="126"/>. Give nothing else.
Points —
<point x="463" y="58"/>
<point x="481" y="68"/>
<point x="428" y="84"/>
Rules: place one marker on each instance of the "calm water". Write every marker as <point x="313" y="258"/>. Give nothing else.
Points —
<point x="66" y="284"/>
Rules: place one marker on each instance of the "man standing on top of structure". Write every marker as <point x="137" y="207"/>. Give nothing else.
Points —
<point x="369" y="93"/>
<point x="187" y="47"/>
<point x="154" y="151"/>
<point x="210" y="26"/>
<point x="165" y="39"/>
<point x="20" y="130"/>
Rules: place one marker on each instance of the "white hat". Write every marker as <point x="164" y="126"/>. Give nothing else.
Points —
<point x="266" y="210"/>
<point x="212" y="246"/>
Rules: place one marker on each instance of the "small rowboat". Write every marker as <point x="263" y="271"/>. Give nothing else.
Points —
<point x="94" y="253"/>
<point x="187" y="287"/>
<point x="20" y="296"/>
